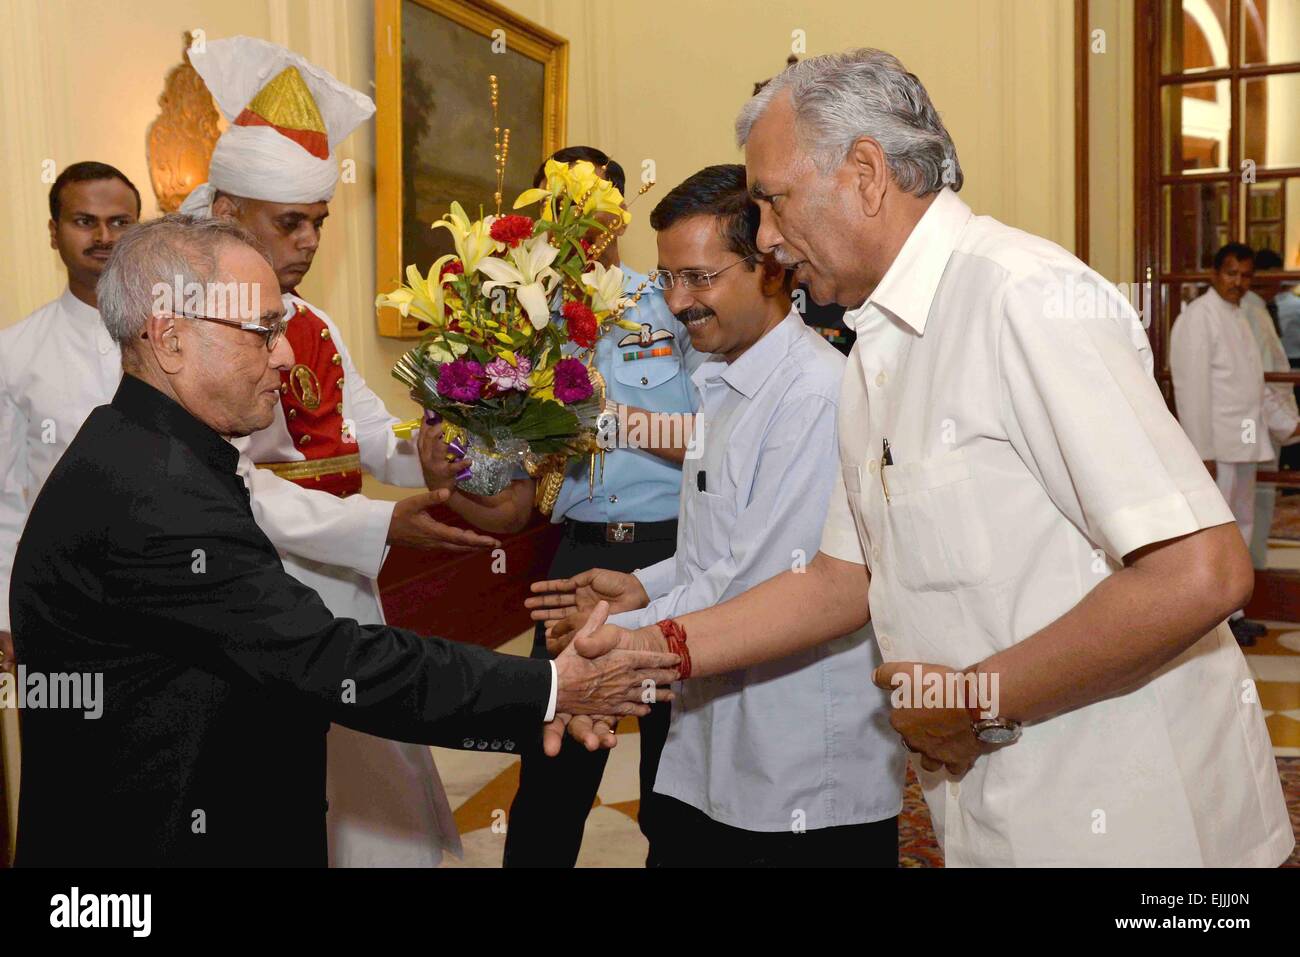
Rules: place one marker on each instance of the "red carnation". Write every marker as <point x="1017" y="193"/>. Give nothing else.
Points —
<point x="580" y="322"/>
<point x="453" y="267"/>
<point x="512" y="229"/>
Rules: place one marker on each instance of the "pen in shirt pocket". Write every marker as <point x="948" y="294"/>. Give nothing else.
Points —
<point x="886" y="458"/>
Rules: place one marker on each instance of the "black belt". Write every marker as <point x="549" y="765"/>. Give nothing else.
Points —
<point x="590" y="533"/>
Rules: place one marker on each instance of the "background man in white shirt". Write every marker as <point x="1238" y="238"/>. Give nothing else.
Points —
<point x="1261" y="312"/>
<point x="1231" y="415"/>
<point x="1037" y="514"/>
<point x="792" y="763"/>
<point x="59" y="362"/>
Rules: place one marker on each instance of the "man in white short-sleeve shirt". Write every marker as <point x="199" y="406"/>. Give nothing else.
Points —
<point x="1016" y="501"/>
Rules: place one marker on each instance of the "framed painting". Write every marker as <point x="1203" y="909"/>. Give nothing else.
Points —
<point x="434" y="131"/>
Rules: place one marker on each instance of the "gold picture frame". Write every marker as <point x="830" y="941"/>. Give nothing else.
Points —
<point x="454" y="41"/>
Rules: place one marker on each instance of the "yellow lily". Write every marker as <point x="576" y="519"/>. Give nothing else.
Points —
<point x="420" y="297"/>
<point x="576" y="180"/>
<point x="473" y="239"/>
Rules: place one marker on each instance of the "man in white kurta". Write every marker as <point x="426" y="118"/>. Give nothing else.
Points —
<point x="1059" y="460"/>
<point x="1227" y="410"/>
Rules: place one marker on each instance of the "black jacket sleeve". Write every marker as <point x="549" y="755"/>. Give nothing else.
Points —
<point x="210" y="589"/>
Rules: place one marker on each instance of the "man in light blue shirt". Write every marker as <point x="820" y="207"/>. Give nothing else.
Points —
<point x="792" y="762"/>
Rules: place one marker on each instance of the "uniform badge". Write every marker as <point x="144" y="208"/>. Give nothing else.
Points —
<point x="305" y="386"/>
<point x="646" y="337"/>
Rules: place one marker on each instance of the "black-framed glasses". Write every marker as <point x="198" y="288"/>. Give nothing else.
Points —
<point x="692" y="278"/>
<point x="271" y="333"/>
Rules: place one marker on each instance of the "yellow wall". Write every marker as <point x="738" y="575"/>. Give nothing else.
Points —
<point x="1110" y="141"/>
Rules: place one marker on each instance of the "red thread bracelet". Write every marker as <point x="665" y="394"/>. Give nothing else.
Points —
<point x="675" y="635"/>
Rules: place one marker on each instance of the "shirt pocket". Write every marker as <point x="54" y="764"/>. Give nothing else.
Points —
<point x="710" y="519"/>
<point x="646" y="373"/>
<point x="938" y="540"/>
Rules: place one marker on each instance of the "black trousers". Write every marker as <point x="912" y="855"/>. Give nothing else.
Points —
<point x="687" y="837"/>
<point x="556" y="794"/>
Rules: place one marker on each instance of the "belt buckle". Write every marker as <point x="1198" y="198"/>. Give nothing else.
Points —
<point x="620" y="532"/>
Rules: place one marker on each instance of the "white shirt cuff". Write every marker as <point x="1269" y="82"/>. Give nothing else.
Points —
<point x="555" y="690"/>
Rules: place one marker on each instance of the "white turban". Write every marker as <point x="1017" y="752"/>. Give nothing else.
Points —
<point x="263" y="157"/>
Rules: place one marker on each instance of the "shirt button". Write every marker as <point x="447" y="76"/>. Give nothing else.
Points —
<point x="954" y="789"/>
<point x="292" y="413"/>
<point x="467" y="743"/>
<point x="645" y="381"/>
<point x="337" y="359"/>
<point x="613" y="499"/>
<point x="509" y="745"/>
<point x="872" y="466"/>
<point x="881" y="378"/>
<point x="324" y="333"/>
<point x="875" y="553"/>
<point x="339" y="408"/>
<point x="883" y="642"/>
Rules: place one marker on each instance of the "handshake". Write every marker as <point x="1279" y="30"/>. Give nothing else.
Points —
<point x="604" y="671"/>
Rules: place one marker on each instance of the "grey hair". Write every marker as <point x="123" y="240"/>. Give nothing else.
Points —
<point x="174" y="249"/>
<point x="840" y="97"/>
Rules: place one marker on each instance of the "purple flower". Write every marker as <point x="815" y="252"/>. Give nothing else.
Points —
<point x="505" y="376"/>
<point x="461" y="381"/>
<point x="571" y="381"/>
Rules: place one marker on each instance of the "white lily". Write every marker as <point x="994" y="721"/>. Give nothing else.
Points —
<point x="606" y="287"/>
<point x="528" y="272"/>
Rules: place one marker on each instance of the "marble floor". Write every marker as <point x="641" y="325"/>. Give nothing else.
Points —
<point x="481" y="786"/>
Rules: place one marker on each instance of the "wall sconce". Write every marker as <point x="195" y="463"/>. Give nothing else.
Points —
<point x="180" y="140"/>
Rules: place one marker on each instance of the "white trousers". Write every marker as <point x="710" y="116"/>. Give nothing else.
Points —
<point x="387" y="806"/>
<point x="1236" y="480"/>
<point x="1265" y="504"/>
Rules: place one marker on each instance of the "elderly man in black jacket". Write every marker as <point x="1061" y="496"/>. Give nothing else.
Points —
<point x="221" y="673"/>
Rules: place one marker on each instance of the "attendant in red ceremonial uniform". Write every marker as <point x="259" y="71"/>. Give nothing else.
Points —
<point x="273" y="171"/>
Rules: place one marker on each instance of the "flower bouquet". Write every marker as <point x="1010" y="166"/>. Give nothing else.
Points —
<point x="499" y="312"/>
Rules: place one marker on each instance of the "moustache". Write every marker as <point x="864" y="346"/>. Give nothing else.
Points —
<point x="97" y="249"/>
<point x="784" y="259"/>
<point x="693" y="313"/>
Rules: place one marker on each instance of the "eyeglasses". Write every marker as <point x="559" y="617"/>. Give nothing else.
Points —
<point x="692" y="278"/>
<point x="271" y="333"/>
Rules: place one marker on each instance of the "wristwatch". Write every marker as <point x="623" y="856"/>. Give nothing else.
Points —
<point x="994" y="730"/>
<point x="607" y="424"/>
